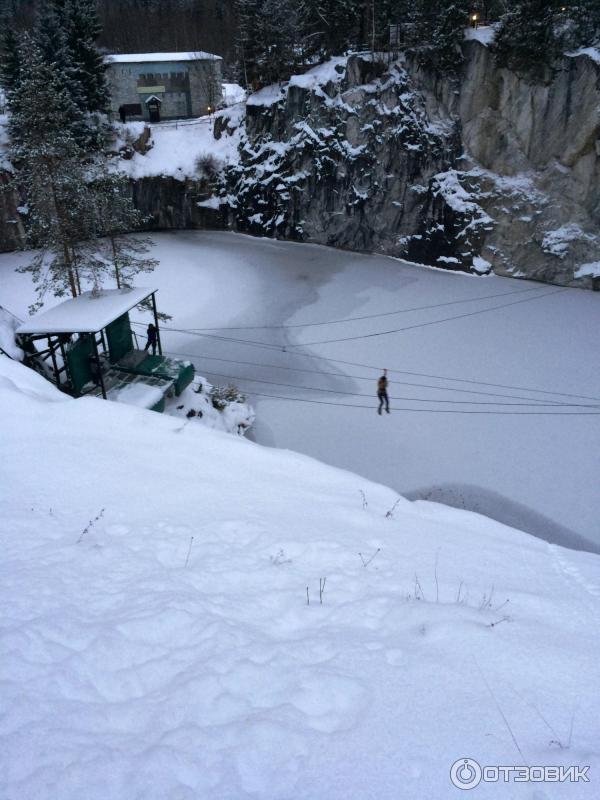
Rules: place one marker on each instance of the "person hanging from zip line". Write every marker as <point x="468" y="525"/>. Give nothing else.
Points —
<point x="382" y="385"/>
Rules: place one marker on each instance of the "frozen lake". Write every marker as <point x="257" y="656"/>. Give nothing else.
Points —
<point x="494" y="383"/>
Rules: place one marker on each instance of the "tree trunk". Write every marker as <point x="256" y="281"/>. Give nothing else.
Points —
<point x="116" y="261"/>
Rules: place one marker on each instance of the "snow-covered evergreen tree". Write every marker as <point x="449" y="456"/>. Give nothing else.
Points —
<point x="82" y="28"/>
<point x="247" y="44"/>
<point x="448" y="35"/>
<point x="271" y="39"/>
<point x="333" y="25"/>
<point x="584" y="23"/>
<point x="284" y="27"/>
<point x="531" y="35"/>
<point x="436" y="32"/>
<point x="52" y="175"/>
<point x="10" y="62"/>
<point x="51" y="36"/>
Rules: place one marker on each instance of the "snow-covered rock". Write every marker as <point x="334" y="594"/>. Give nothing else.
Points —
<point x="214" y="408"/>
<point x="387" y="157"/>
<point x="334" y="156"/>
<point x="516" y="128"/>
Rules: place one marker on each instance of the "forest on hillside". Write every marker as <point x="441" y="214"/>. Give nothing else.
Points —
<point x="261" y="40"/>
<point x="148" y="25"/>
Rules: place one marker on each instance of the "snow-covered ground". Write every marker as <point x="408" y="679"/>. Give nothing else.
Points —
<point x="591" y="52"/>
<point x="156" y="639"/>
<point x="177" y="146"/>
<point x="533" y="362"/>
<point x="484" y="34"/>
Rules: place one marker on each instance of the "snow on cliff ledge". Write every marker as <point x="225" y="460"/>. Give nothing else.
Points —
<point x="158" y="642"/>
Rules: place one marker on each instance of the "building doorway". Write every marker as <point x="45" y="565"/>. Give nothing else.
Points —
<point x="153" y="105"/>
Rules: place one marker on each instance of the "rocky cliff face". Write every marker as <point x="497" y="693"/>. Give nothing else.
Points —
<point x="531" y="156"/>
<point x="350" y="157"/>
<point x="489" y="172"/>
<point x="171" y="204"/>
<point x="167" y="204"/>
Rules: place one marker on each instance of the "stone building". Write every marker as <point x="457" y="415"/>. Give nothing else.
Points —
<point x="159" y="86"/>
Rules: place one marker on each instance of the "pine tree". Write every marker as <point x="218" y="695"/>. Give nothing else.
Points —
<point x="271" y="39"/>
<point x="436" y="32"/>
<point x="117" y="216"/>
<point x="248" y="38"/>
<point x="51" y="173"/>
<point x="448" y="35"/>
<point x="583" y="23"/>
<point x="283" y="23"/>
<point x="82" y="27"/>
<point x="531" y="36"/>
<point x="51" y="37"/>
<point x="333" y="25"/>
<point x="66" y="39"/>
<point x="10" y="62"/>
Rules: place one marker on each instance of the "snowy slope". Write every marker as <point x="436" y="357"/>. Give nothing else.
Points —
<point x="157" y="642"/>
<point x="539" y="472"/>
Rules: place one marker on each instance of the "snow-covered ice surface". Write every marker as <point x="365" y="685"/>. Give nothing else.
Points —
<point x="156" y="640"/>
<point x="537" y="472"/>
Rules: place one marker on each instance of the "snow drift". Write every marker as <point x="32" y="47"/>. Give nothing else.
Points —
<point x="164" y="633"/>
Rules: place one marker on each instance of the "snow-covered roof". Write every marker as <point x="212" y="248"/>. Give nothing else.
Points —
<point x="142" y="58"/>
<point x="86" y="313"/>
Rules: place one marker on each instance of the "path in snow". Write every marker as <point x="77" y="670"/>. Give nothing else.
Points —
<point x="521" y="469"/>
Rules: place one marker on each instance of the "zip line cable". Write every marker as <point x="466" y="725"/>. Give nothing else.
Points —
<point x="407" y="399"/>
<point x="533" y="403"/>
<point x="425" y="324"/>
<point x="248" y="342"/>
<point x="418" y="374"/>
<point x="286" y="346"/>
<point x="366" y="316"/>
<point x="457" y="380"/>
<point x="432" y="410"/>
<point x="283" y="348"/>
<point x="363" y="378"/>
